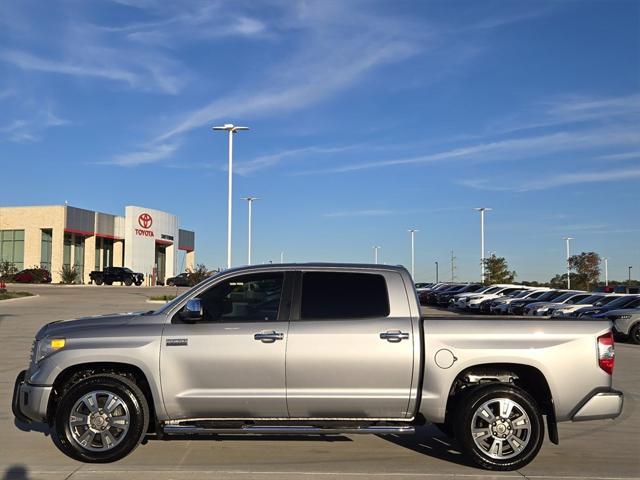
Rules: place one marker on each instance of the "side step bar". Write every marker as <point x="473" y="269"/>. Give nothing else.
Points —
<point x="285" y="430"/>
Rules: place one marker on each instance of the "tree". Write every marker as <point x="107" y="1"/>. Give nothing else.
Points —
<point x="496" y="270"/>
<point x="587" y="269"/>
<point x="198" y="274"/>
<point x="560" y="281"/>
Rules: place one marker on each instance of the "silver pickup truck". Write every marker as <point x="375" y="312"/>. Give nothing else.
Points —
<point x="316" y="349"/>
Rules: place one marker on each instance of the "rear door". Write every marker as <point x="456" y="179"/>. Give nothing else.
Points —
<point x="350" y="351"/>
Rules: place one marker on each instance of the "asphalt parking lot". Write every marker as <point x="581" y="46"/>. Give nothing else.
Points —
<point x="608" y="449"/>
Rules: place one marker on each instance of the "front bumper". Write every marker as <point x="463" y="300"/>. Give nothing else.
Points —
<point x="29" y="402"/>
<point x="601" y="405"/>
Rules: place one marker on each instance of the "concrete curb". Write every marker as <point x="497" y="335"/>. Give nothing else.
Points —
<point x="2" y="302"/>
<point x="158" y="301"/>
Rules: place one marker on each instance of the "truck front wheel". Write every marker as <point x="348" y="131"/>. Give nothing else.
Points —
<point x="499" y="427"/>
<point x="101" y="419"/>
<point x="128" y="282"/>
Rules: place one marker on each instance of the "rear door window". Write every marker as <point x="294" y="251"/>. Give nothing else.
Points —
<point x="337" y="295"/>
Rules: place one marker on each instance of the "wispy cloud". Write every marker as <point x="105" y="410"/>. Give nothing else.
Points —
<point x="620" y="156"/>
<point x="29" y="130"/>
<point x="544" y="182"/>
<point x="267" y="161"/>
<point x="148" y="155"/>
<point x="524" y="147"/>
<point x="360" y="213"/>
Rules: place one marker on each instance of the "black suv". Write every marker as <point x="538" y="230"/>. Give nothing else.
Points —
<point x="116" y="274"/>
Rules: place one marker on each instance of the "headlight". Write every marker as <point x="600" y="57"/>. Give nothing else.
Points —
<point x="47" y="346"/>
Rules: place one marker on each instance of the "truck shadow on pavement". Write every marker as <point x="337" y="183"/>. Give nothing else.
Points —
<point x="32" y="427"/>
<point x="431" y="442"/>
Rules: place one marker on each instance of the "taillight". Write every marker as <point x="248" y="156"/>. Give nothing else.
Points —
<point x="606" y="352"/>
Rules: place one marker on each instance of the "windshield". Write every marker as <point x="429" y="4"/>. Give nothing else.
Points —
<point x="622" y="301"/>
<point x="605" y="301"/>
<point x="563" y="297"/>
<point x="127" y="270"/>
<point x="535" y="295"/>
<point x="490" y="290"/>
<point x="590" y="300"/>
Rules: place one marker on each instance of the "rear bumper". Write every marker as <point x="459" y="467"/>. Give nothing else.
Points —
<point x="601" y="405"/>
<point x="29" y="402"/>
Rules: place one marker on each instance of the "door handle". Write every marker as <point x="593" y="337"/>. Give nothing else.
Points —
<point x="394" y="336"/>
<point x="268" y="337"/>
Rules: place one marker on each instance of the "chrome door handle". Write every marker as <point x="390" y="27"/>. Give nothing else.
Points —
<point x="394" y="336"/>
<point x="268" y="337"/>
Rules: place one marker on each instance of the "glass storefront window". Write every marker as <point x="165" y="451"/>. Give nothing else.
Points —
<point x="12" y="247"/>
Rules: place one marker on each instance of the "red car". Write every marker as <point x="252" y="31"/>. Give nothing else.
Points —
<point x="32" y="275"/>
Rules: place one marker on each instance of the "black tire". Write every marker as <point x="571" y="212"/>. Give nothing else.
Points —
<point x="464" y="422"/>
<point x="128" y="282"/>
<point x="108" y="282"/>
<point x="131" y="395"/>
<point x="138" y="284"/>
<point x="634" y="334"/>
<point x="99" y="281"/>
<point x="169" y="283"/>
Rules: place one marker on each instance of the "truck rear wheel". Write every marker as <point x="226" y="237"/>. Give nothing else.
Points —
<point x="101" y="419"/>
<point x="99" y="281"/>
<point x="499" y="427"/>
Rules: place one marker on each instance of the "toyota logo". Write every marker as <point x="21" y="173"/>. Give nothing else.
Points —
<point x="145" y="220"/>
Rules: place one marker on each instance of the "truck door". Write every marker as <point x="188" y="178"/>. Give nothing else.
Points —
<point x="350" y="352"/>
<point x="231" y="363"/>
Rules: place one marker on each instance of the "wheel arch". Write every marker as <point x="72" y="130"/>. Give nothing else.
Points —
<point x="75" y="373"/>
<point x="527" y="377"/>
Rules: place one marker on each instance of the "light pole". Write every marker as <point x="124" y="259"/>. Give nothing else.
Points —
<point x="436" y="272"/>
<point x="413" y="231"/>
<point x="281" y="257"/>
<point x="231" y="129"/>
<point x="606" y="272"/>
<point x="375" y="254"/>
<point x="629" y="282"/>
<point x="250" y="201"/>
<point x="568" y="239"/>
<point x="482" y="210"/>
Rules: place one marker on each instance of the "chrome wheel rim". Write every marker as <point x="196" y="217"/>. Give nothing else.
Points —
<point x="501" y="428"/>
<point x="99" y="420"/>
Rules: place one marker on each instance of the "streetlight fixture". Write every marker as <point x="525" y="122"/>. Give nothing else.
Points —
<point x="482" y="210"/>
<point x="250" y="201"/>
<point x="413" y="231"/>
<point x="229" y="127"/>
<point x="375" y="254"/>
<point x="606" y="272"/>
<point x="568" y="239"/>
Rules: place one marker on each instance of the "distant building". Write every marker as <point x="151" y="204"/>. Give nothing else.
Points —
<point x="144" y="240"/>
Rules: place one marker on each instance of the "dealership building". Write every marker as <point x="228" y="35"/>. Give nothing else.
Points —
<point x="144" y="240"/>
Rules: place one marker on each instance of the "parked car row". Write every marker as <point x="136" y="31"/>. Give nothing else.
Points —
<point x="623" y="309"/>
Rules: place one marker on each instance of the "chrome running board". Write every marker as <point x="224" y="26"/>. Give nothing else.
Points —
<point x="285" y="430"/>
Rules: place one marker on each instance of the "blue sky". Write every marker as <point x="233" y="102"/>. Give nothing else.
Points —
<point x="367" y="118"/>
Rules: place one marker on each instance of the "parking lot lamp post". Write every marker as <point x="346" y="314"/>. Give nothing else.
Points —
<point x="375" y="254"/>
<point x="606" y="272"/>
<point x="482" y="210"/>
<point x="281" y="257"/>
<point x="250" y="201"/>
<point x="568" y="239"/>
<point x="630" y="267"/>
<point x="413" y="231"/>
<point x="231" y="129"/>
<point x="437" y="272"/>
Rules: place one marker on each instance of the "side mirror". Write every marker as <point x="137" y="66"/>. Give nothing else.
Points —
<point x="192" y="311"/>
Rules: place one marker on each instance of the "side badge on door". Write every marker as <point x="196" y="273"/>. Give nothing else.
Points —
<point x="177" y="342"/>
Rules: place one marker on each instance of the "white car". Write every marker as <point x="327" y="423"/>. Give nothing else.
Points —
<point x="459" y="300"/>
<point x="473" y="303"/>
<point x="501" y="305"/>
<point x="595" y="300"/>
<point x="541" y="309"/>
